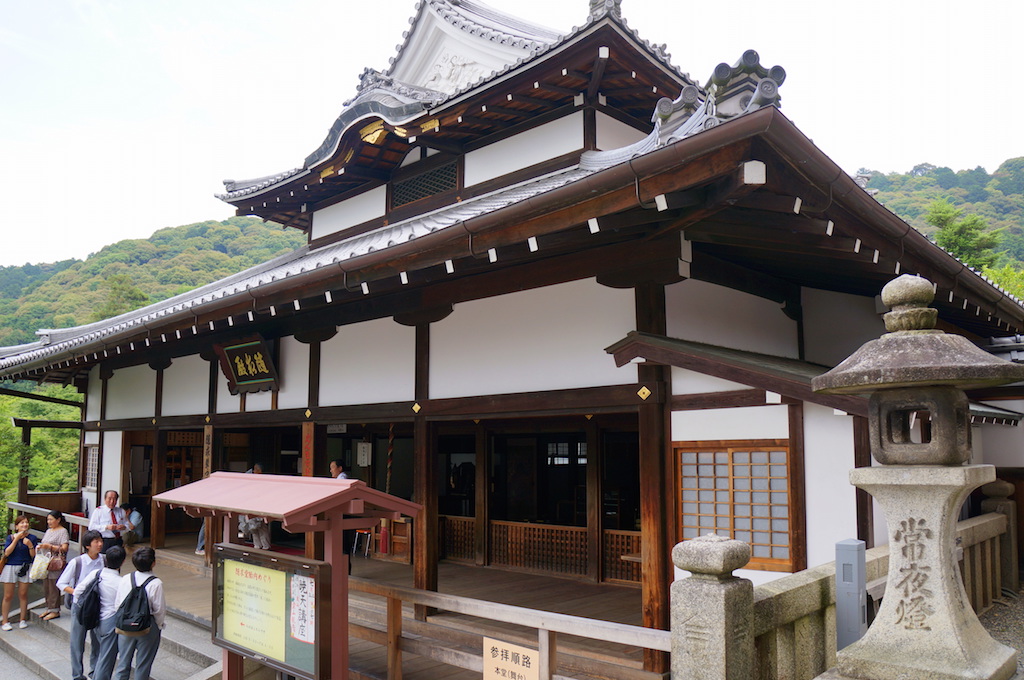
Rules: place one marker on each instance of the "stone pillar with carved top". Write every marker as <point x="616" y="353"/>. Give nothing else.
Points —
<point x="921" y="437"/>
<point x="712" y="611"/>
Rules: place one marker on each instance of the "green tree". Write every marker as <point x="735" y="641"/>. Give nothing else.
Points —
<point x="122" y="296"/>
<point x="1008" y="278"/>
<point x="967" y="238"/>
<point x="1009" y="178"/>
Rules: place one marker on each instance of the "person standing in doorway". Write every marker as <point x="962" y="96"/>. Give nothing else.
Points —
<point x="144" y="647"/>
<point x="338" y="469"/>
<point x="109" y="520"/>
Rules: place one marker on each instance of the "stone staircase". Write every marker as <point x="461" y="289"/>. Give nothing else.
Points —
<point x="42" y="649"/>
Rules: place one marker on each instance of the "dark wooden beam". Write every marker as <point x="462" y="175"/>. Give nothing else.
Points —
<point x="797" y="484"/>
<point x="40" y="397"/>
<point x="713" y="400"/>
<point x="597" y="72"/>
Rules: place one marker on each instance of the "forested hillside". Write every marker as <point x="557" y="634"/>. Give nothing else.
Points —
<point x="997" y="198"/>
<point x="133" y="273"/>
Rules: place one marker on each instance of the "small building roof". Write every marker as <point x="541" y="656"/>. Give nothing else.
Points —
<point x="294" y="501"/>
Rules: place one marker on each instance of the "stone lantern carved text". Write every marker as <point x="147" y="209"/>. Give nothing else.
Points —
<point x="914" y="607"/>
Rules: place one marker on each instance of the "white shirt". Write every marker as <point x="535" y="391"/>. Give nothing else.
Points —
<point x="86" y="566"/>
<point x="155" y="591"/>
<point x="110" y="579"/>
<point x="100" y="518"/>
<point x="342" y="475"/>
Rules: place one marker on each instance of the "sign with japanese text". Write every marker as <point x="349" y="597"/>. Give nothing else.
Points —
<point x="273" y="609"/>
<point x="505" y="661"/>
<point x="248" y="366"/>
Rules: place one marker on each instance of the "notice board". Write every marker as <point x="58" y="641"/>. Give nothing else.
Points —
<point x="273" y="608"/>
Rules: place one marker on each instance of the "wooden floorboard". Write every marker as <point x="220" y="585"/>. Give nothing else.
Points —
<point x="191" y="593"/>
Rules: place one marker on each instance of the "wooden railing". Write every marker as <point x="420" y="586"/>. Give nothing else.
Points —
<point x="540" y="547"/>
<point x="794" y="623"/>
<point x="76" y="525"/>
<point x="616" y="545"/>
<point x="457" y="539"/>
<point x="465" y="650"/>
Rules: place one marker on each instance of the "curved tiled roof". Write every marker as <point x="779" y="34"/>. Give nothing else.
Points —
<point x="476" y="19"/>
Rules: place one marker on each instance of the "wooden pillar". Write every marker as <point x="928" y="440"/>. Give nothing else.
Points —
<point x="655" y="479"/>
<point x="335" y="554"/>
<point x="314" y="539"/>
<point x="23" y="463"/>
<point x="797" y="488"/>
<point x="425" y="474"/>
<point x="595" y="496"/>
<point x="208" y="529"/>
<point x="482" y="525"/>
<point x="158" y="483"/>
<point x="862" y="458"/>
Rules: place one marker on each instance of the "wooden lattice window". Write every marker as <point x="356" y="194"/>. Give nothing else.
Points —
<point x="430" y="183"/>
<point x="92" y="466"/>
<point x="743" y="490"/>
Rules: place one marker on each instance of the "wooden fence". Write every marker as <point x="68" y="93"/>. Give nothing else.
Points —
<point x="794" y="623"/>
<point x="465" y="650"/>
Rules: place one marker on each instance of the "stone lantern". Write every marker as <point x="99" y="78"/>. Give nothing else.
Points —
<point x="925" y="629"/>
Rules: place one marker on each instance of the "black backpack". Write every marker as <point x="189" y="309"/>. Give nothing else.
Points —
<point x="133" y="617"/>
<point x="87" y="605"/>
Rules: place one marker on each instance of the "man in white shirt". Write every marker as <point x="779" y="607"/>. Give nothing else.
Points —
<point x="338" y="469"/>
<point x="77" y="569"/>
<point x="143" y="647"/>
<point x="109" y="520"/>
<point x="110" y="581"/>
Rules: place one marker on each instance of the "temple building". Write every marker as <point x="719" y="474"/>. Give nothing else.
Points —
<point x="555" y="290"/>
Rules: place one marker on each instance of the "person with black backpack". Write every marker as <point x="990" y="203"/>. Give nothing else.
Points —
<point x="95" y="607"/>
<point x="140" y="617"/>
<point x="77" y="569"/>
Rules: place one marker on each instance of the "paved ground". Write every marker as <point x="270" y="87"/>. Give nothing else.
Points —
<point x="1006" y="624"/>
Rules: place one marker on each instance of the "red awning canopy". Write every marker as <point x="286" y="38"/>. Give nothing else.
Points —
<point x="294" y="501"/>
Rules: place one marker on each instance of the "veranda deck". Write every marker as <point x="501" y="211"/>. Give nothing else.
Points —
<point x="190" y="592"/>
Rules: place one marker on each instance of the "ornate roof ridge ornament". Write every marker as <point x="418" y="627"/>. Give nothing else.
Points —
<point x="732" y="91"/>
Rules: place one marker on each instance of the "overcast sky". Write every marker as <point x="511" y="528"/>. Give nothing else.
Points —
<point x="120" y="117"/>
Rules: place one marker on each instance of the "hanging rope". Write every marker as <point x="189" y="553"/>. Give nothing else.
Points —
<point x="391" y="455"/>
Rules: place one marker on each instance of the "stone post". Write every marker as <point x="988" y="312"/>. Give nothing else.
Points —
<point x="925" y="629"/>
<point x="998" y="500"/>
<point x="712" y="611"/>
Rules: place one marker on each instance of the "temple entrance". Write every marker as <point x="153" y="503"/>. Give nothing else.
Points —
<point x="548" y="495"/>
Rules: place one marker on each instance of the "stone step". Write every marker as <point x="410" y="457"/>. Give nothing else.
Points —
<point x="15" y="669"/>
<point x="186" y="652"/>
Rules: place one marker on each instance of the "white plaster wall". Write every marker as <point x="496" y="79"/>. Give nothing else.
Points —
<point x="545" y="339"/>
<point x="685" y="381"/>
<point x="613" y="134"/>
<point x="258" y="401"/>
<point x="95" y="391"/>
<point x="704" y="312"/>
<point x="293" y="370"/>
<point x="836" y="324"/>
<point x="523" y="150"/>
<point x="1000" y="445"/>
<point x="111" y="473"/>
<point x="749" y="422"/>
<point x="368" y="363"/>
<point x="831" y="499"/>
<point x="131" y="393"/>
<point x="226" y="402"/>
<point x="91" y="437"/>
<point x="356" y="210"/>
<point x="186" y="386"/>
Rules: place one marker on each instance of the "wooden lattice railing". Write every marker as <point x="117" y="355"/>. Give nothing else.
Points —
<point x="456" y="537"/>
<point x="540" y="547"/>
<point x="617" y="544"/>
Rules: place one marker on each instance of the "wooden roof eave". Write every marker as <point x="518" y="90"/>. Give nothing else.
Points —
<point x="944" y="270"/>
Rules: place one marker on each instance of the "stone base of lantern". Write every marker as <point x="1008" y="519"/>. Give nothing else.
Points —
<point x="925" y="629"/>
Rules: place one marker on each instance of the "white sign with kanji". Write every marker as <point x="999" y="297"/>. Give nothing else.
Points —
<point x="505" y="661"/>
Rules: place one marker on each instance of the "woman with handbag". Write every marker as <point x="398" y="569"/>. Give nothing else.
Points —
<point x="19" y="551"/>
<point x="55" y="542"/>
